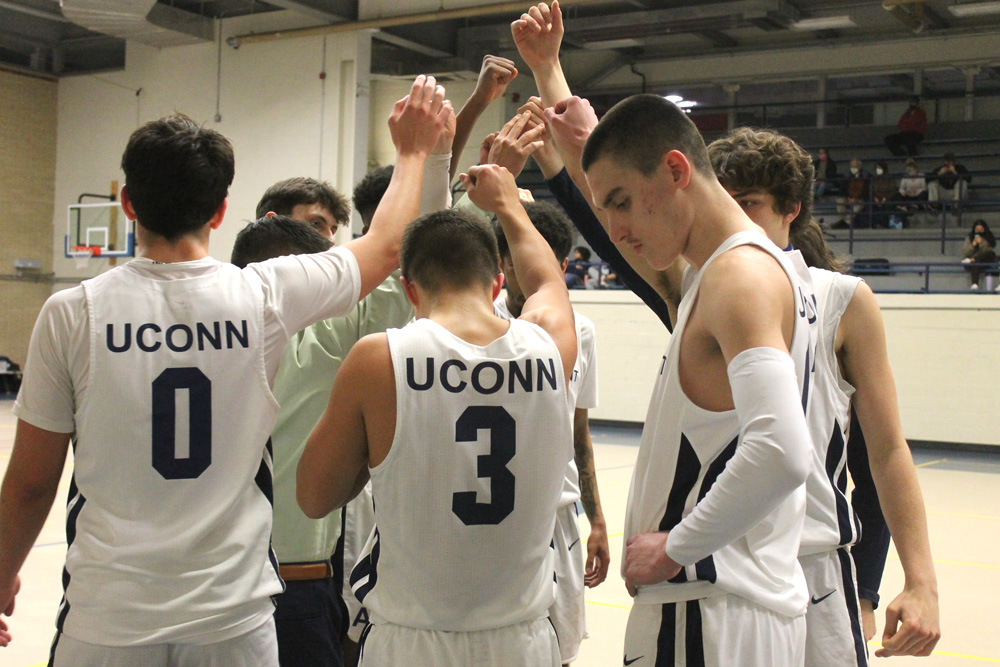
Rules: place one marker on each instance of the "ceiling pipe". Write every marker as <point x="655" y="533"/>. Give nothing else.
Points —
<point x="914" y="20"/>
<point x="389" y="22"/>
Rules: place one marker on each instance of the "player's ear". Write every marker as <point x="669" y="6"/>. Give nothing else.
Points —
<point x="677" y="165"/>
<point x="564" y="264"/>
<point x="126" y="204"/>
<point x="220" y="213"/>
<point x="411" y="291"/>
<point x="787" y="218"/>
<point x="498" y="285"/>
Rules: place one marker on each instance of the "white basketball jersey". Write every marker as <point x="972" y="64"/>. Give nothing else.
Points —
<point x="465" y="501"/>
<point x="685" y="448"/>
<point x="582" y="386"/>
<point x="830" y="519"/>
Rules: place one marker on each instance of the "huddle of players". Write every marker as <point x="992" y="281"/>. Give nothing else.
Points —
<point x="459" y="567"/>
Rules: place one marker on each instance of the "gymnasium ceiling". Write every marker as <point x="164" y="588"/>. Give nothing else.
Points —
<point x="606" y="41"/>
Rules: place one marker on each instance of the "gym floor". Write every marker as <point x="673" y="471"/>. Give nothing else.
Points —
<point x="961" y="492"/>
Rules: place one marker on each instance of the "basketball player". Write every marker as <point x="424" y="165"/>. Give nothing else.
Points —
<point x="459" y="568"/>
<point x="770" y="177"/>
<point x="572" y="572"/>
<point x="160" y="371"/>
<point x="717" y="500"/>
<point x="316" y="203"/>
<point x="310" y="615"/>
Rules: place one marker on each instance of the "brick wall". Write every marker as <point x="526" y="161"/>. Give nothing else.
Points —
<point x="27" y="183"/>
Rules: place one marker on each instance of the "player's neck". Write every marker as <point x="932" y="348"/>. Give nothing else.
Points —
<point x="468" y="314"/>
<point x="188" y="248"/>
<point x="714" y="222"/>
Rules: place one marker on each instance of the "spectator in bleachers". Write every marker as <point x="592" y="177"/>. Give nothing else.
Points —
<point x="949" y="181"/>
<point x="979" y="247"/>
<point x="577" y="271"/>
<point x="884" y="187"/>
<point x="912" y="128"/>
<point x="826" y="175"/>
<point x="912" y="188"/>
<point x="855" y="196"/>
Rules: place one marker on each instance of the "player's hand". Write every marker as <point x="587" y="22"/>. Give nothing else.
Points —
<point x="484" y="148"/>
<point x="867" y="619"/>
<point x="538" y="35"/>
<point x="647" y="562"/>
<point x="443" y="145"/>
<point x="571" y="121"/>
<point x="513" y="144"/>
<point x="534" y="107"/>
<point x="598" y="555"/>
<point x="491" y="187"/>
<point x="494" y="77"/>
<point x="418" y="120"/>
<point x="911" y="624"/>
<point x="7" y="608"/>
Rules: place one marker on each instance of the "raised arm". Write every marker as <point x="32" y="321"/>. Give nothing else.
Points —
<point x="912" y="626"/>
<point x="494" y="77"/>
<point x="492" y="188"/>
<point x="538" y="35"/>
<point x="416" y="124"/>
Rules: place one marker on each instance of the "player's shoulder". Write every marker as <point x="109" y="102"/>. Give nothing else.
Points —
<point x="743" y="275"/>
<point x="67" y="305"/>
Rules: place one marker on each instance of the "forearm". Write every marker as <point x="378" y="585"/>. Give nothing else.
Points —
<point x="551" y="82"/>
<point x="529" y="251"/>
<point x="435" y="193"/>
<point x="871" y="549"/>
<point x="770" y="460"/>
<point x="590" y="498"/>
<point x="903" y="507"/>
<point x="22" y="515"/>
<point x="464" y="122"/>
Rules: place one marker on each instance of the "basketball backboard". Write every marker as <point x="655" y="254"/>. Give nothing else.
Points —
<point x="100" y="229"/>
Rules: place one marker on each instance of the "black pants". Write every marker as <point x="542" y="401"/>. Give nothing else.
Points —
<point x="904" y="143"/>
<point x="311" y="624"/>
<point x="975" y="272"/>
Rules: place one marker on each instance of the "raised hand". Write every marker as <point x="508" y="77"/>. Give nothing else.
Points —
<point x="491" y="188"/>
<point x="538" y="35"/>
<point x="418" y="120"/>
<point x="444" y="141"/>
<point x="571" y="121"/>
<point x="513" y="144"/>
<point x="494" y="77"/>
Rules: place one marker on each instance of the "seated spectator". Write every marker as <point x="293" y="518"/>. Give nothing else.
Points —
<point x="826" y="175"/>
<point x="912" y="128"/>
<point x="949" y="181"/>
<point x="884" y="189"/>
<point x="978" y="248"/>
<point x="912" y="188"/>
<point x="577" y="271"/>
<point x="855" y="190"/>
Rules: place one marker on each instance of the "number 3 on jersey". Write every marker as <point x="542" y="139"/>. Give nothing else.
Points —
<point x="165" y="386"/>
<point x="492" y="466"/>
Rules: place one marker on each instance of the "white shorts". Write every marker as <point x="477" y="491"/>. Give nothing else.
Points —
<point x="834" y="635"/>
<point x="359" y="521"/>
<point x="719" y="631"/>
<point x="567" y="612"/>
<point x="529" y="643"/>
<point x="257" y="648"/>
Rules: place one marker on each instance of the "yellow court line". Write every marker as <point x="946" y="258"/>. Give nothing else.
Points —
<point x="930" y="463"/>
<point x="603" y="604"/>
<point x="949" y="654"/>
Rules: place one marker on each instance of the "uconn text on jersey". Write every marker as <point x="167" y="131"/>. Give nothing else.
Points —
<point x="178" y="337"/>
<point x="486" y="377"/>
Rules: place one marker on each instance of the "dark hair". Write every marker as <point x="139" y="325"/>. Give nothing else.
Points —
<point x="762" y="160"/>
<point x="275" y="236"/>
<point x="449" y="248"/>
<point x="883" y="164"/>
<point x="987" y="234"/>
<point x="638" y="131"/>
<point x="285" y="195"/>
<point x="177" y="174"/>
<point x="584" y="252"/>
<point x="551" y="223"/>
<point x="809" y="240"/>
<point x="949" y="157"/>
<point x="369" y="191"/>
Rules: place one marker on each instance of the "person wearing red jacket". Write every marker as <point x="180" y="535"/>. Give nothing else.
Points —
<point x="912" y="129"/>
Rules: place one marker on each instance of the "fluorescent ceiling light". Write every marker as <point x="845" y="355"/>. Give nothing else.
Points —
<point x="823" y="23"/>
<point x="975" y="9"/>
<point x="687" y="104"/>
<point x="676" y="99"/>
